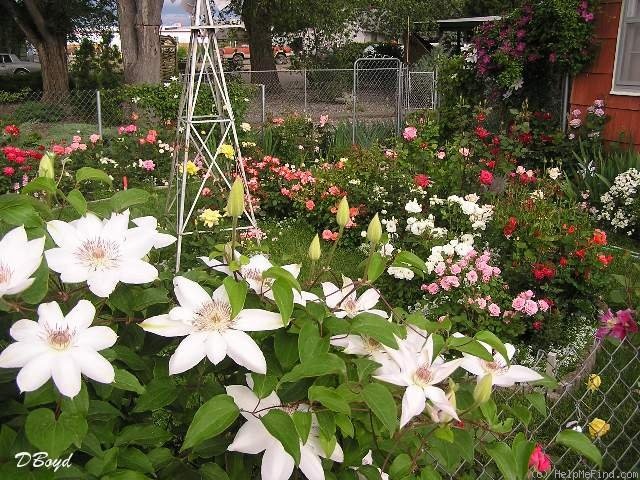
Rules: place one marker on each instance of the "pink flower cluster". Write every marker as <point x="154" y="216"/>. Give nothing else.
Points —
<point x="152" y="136"/>
<point x="524" y="303"/>
<point x="485" y="303"/>
<point x="253" y="233"/>
<point x="127" y="129"/>
<point x="147" y="165"/>
<point x="470" y="270"/>
<point x="410" y="134"/>
<point x="76" y="144"/>
<point x="330" y="236"/>
<point x="269" y="164"/>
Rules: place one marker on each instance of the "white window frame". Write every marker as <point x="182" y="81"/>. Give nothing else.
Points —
<point x="616" y="87"/>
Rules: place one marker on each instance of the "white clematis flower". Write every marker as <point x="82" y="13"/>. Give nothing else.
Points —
<point x="419" y="373"/>
<point x="346" y="303"/>
<point x="210" y="328"/>
<point x="161" y="239"/>
<point x="59" y="347"/>
<point x="253" y="273"/>
<point x="101" y="253"/>
<point x="253" y="438"/>
<point x="502" y="374"/>
<point x="19" y="259"/>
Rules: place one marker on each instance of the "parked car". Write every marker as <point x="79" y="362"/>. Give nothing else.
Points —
<point x="12" y="65"/>
<point x="239" y="53"/>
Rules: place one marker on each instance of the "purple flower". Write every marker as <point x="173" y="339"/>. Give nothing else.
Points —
<point x="618" y="326"/>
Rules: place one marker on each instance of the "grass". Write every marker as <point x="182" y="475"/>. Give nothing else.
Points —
<point x="55" y="132"/>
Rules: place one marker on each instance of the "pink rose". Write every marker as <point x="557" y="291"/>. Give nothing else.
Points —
<point x="94" y="138"/>
<point x="432" y="288"/>
<point x="440" y="268"/>
<point x="481" y="302"/>
<point x="441" y="154"/>
<point x="76" y="139"/>
<point x="58" y="149"/>
<point x="530" y="307"/>
<point x="472" y="276"/>
<point x="518" y="304"/>
<point x="453" y="281"/>
<point x="494" y="310"/>
<point x="410" y="134"/>
<point x="309" y="205"/>
<point x="544" y="306"/>
<point x="455" y="269"/>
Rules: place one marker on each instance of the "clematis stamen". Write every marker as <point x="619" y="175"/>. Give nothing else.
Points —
<point x="59" y="338"/>
<point x="6" y="272"/>
<point x="213" y="316"/>
<point x="422" y="375"/>
<point x="98" y="254"/>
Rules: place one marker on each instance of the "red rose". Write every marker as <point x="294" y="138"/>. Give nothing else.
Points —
<point x="525" y="138"/>
<point x="599" y="237"/>
<point x="491" y="164"/>
<point x="12" y="130"/>
<point x="481" y="117"/>
<point x="486" y="177"/>
<point x="580" y="253"/>
<point x="8" y="171"/>
<point x="482" y="132"/>
<point x="495" y="140"/>
<point x="537" y="325"/>
<point x="510" y="227"/>
<point x="563" y="262"/>
<point x="605" y="259"/>
<point x="421" y="180"/>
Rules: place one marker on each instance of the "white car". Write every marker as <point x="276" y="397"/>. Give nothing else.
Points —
<point x="10" y="64"/>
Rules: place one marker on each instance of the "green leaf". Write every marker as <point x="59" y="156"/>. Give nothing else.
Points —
<point x="286" y="348"/>
<point x="522" y="450"/>
<point x="429" y="473"/>
<point x="77" y="201"/>
<point x="77" y="405"/>
<point x="324" y="364"/>
<point x="211" y="419"/>
<point x="128" y="198"/>
<point x="212" y="471"/>
<point x="401" y="466"/>
<point x="237" y="292"/>
<point x="125" y="475"/>
<point x="283" y="296"/>
<point x="84" y="174"/>
<point x="579" y="443"/>
<point x="125" y="380"/>
<point x="263" y="385"/>
<point x="281" y="426"/>
<point x="376" y="267"/>
<point x="464" y="443"/>
<point x="159" y="393"/>
<point x="537" y="401"/>
<point x="17" y="210"/>
<point x="406" y="258"/>
<point x="54" y="436"/>
<point x="445" y="433"/>
<point x="40" y="286"/>
<point x="144" y="435"/>
<point x="41" y="184"/>
<point x="503" y="456"/>
<point x="282" y="274"/>
<point x="493" y="341"/>
<point x="330" y="399"/>
<point x="522" y="413"/>
<point x="376" y="327"/>
<point x="379" y="399"/>
<point x="469" y="345"/>
<point x="134" y="459"/>
<point x="7" y="438"/>
<point x="310" y="343"/>
<point x="302" y="421"/>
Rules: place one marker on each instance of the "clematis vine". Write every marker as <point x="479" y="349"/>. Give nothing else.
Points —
<point x="253" y="274"/>
<point x="253" y="438"/>
<point x="101" y="253"/>
<point x="210" y="328"/>
<point x="19" y="259"/>
<point x="419" y="372"/>
<point x="61" y="347"/>
<point x="345" y="302"/>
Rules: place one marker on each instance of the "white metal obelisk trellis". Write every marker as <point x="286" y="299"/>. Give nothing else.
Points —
<point x="203" y="129"/>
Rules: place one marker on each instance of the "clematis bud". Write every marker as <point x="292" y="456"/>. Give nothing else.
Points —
<point x="314" y="248"/>
<point x="46" y="168"/>
<point x="482" y="392"/>
<point x="342" y="217"/>
<point x="235" y="204"/>
<point x="374" y="231"/>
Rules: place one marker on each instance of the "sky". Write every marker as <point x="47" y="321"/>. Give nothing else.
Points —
<point x="173" y="12"/>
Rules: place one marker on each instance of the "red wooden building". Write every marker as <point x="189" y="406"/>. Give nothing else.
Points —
<point x="614" y="76"/>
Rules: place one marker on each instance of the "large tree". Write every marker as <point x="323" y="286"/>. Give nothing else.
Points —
<point x="139" y="22"/>
<point x="48" y="24"/>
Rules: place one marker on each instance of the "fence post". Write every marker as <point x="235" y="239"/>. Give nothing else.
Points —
<point x="565" y="101"/>
<point x="353" y="95"/>
<point x="99" y="109"/>
<point x="264" y="103"/>
<point x="304" y="79"/>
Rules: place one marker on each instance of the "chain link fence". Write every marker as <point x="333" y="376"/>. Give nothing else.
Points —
<point x="571" y="405"/>
<point x="374" y="91"/>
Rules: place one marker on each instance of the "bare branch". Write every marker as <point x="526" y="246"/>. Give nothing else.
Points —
<point x="30" y="33"/>
<point x="38" y="19"/>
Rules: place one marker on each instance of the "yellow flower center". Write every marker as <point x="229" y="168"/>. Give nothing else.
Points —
<point x="495" y="366"/>
<point x="213" y="316"/>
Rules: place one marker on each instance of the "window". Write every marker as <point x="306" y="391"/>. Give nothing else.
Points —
<point x="627" y="64"/>
<point x="6" y="58"/>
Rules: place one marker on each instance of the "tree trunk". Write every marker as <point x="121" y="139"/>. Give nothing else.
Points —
<point x="53" y="60"/>
<point x="257" y="21"/>
<point x="139" y="22"/>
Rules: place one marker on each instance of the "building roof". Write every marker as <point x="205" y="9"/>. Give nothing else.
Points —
<point x="458" y="24"/>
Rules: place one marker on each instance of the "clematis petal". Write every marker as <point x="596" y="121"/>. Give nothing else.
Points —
<point x="331" y="294"/>
<point x="103" y="283"/>
<point x="243" y="397"/>
<point x="276" y="463"/>
<point x="444" y="370"/>
<point x="165" y="326"/>
<point x="217" y="265"/>
<point x="18" y="354"/>
<point x="256" y="320"/>
<point x="473" y="365"/>
<point x="394" y="378"/>
<point x="216" y="347"/>
<point x="35" y="373"/>
<point x="137" y="272"/>
<point x="17" y="287"/>
<point x="93" y="365"/>
<point x="65" y="263"/>
<point x="220" y="295"/>
<point x="413" y="403"/>
<point x="244" y="351"/>
<point x="26" y="330"/>
<point x="368" y="299"/>
<point x="380" y="313"/>
<point x="138" y="242"/>
<point x="64" y="234"/>
<point x="87" y="226"/>
<point x="252" y="438"/>
<point x="96" y="338"/>
<point x="81" y="316"/>
<point x="516" y="373"/>
<point x="310" y="464"/>
<point x="50" y="316"/>
<point x="66" y="374"/>
<point x="293" y="269"/>
<point x="189" y="294"/>
<point x="188" y="354"/>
